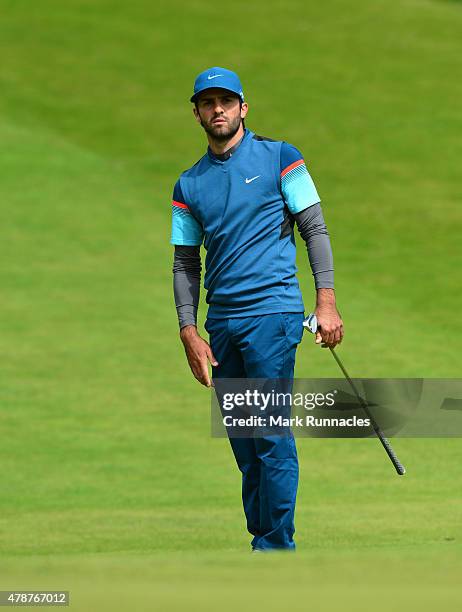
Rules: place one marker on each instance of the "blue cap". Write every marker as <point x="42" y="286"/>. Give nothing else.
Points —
<point x="217" y="77"/>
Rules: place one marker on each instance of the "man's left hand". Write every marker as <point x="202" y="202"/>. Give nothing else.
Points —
<point x="330" y="325"/>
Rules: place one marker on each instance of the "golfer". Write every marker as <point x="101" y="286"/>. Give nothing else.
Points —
<point x="241" y="200"/>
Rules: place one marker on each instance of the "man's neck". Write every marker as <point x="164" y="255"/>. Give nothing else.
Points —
<point x="218" y="147"/>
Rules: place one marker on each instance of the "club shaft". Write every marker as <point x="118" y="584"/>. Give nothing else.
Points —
<point x="384" y="441"/>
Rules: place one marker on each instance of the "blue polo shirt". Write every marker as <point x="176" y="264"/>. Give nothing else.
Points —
<point x="241" y="210"/>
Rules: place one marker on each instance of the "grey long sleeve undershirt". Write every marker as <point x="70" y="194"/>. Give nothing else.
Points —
<point x="187" y="283"/>
<point x="187" y="264"/>
<point x="313" y="230"/>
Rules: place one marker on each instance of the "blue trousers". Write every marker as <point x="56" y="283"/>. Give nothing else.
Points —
<point x="262" y="346"/>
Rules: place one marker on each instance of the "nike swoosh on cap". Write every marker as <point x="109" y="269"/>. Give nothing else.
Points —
<point x="213" y="76"/>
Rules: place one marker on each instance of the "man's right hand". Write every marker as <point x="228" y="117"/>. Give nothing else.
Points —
<point x="197" y="351"/>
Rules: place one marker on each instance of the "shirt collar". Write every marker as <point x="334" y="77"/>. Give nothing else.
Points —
<point x="228" y="153"/>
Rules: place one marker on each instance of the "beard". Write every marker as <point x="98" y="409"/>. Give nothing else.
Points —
<point x="222" y="132"/>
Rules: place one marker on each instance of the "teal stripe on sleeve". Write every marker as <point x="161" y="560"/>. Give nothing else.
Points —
<point x="298" y="189"/>
<point x="186" y="230"/>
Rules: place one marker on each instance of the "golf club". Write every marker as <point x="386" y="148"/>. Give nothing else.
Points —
<point x="311" y="324"/>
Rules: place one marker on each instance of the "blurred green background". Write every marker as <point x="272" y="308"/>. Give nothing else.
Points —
<point x="111" y="484"/>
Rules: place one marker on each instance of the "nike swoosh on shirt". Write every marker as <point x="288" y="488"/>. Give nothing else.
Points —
<point x="252" y="179"/>
<point x="213" y="76"/>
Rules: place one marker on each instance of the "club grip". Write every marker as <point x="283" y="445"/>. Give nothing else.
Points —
<point x="399" y="467"/>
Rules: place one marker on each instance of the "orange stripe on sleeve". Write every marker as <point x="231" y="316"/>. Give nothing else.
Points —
<point x="179" y="204"/>
<point x="292" y="166"/>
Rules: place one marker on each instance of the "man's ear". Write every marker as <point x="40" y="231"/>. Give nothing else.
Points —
<point x="196" y="115"/>
<point x="244" y="110"/>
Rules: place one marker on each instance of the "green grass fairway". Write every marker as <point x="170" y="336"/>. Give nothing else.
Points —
<point x="111" y="486"/>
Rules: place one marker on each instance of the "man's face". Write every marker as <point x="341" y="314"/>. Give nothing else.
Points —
<point x="220" y="113"/>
